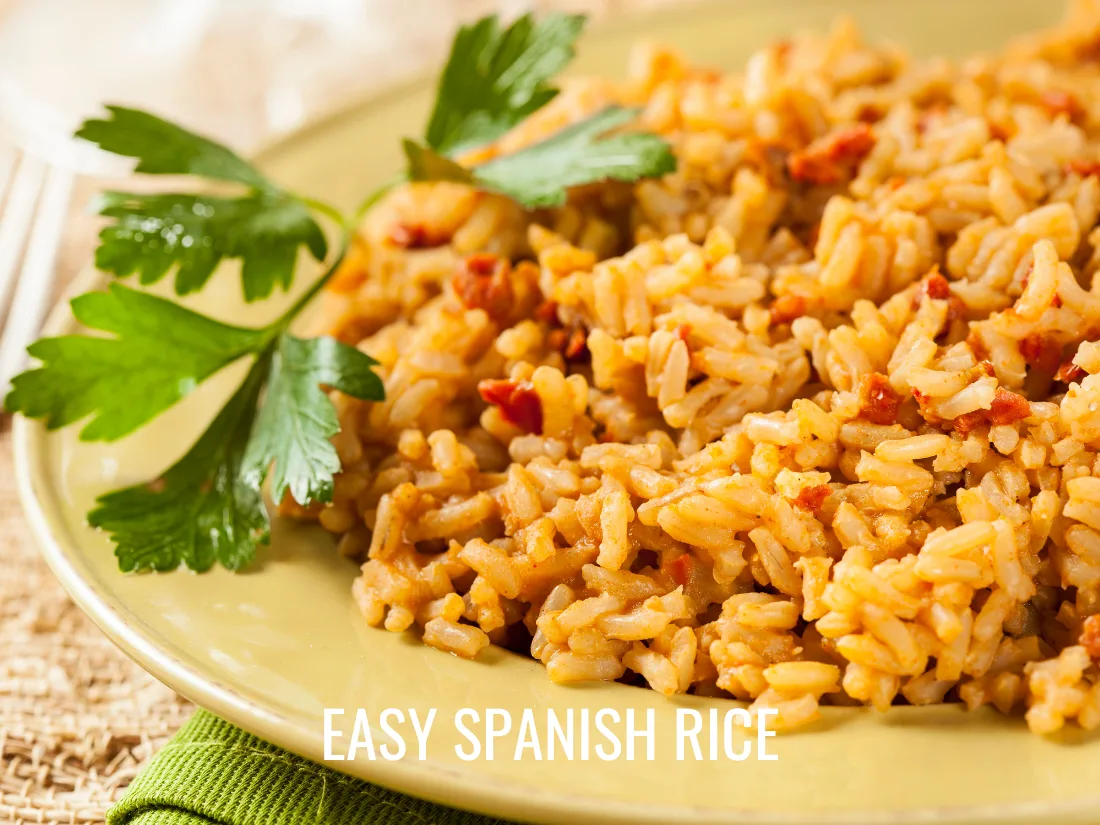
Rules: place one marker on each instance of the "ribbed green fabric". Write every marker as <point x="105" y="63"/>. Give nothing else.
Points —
<point x="213" y="773"/>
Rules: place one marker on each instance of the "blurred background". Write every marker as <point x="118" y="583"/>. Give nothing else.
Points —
<point x="241" y="70"/>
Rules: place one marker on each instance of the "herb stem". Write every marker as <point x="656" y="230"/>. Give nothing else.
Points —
<point x="329" y="211"/>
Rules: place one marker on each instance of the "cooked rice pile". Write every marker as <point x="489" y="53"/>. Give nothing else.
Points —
<point x="815" y="419"/>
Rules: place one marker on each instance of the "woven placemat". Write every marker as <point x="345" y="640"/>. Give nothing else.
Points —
<point x="77" y="718"/>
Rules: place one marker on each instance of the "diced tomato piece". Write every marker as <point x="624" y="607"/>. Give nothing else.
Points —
<point x="1042" y="352"/>
<point x="827" y="159"/>
<point x="1008" y="407"/>
<point x="483" y="281"/>
<point x="878" y="401"/>
<point x="810" y="499"/>
<point x="518" y="402"/>
<point x="680" y="569"/>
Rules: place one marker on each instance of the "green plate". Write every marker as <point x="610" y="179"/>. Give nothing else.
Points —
<point x="271" y="649"/>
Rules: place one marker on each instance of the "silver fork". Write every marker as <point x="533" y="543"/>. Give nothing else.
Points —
<point x="34" y="202"/>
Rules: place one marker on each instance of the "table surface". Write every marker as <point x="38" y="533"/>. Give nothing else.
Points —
<point x="77" y="718"/>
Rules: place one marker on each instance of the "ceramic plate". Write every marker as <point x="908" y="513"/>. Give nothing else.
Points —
<point x="271" y="648"/>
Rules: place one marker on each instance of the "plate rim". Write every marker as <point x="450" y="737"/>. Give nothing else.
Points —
<point x="467" y="790"/>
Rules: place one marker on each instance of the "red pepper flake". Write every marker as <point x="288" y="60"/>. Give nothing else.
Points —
<point x="810" y="499"/>
<point x="937" y="287"/>
<point x="932" y="285"/>
<point x="786" y="308"/>
<point x="827" y="159"/>
<point x="1062" y="103"/>
<point x="1042" y="352"/>
<point x="974" y="341"/>
<point x="679" y="569"/>
<point x="878" y="402"/>
<point x="415" y="236"/>
<point x="985" y="368"/>
<point x="518" y="402"/>
<point x="683" y="332"/>
<point x="1090" y="635"/>
<point x="956" y="311"/>
<point x="1069" y="372"/>
<point x="483" y="281"/>
<point x="1008" y="407"/>
<point x="576" y="347"/>
<point x="967" y="422"/>
<point x="547" y="312"/>
<point x="573" y="345"/>
<point x="924" y="401"/>
<point x="1084" y="168"/>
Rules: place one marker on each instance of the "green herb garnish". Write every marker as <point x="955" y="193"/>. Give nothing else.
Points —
<point x="297" y="420"/>
<point x="146" y="353"/>
<point x="494" y="79"/>
<point x="263" y="225"/>
<point x="539" y="175"/>
<point x="159" y="353"/>
<point x="152" y="353"/>
<point x="203" y="508"/>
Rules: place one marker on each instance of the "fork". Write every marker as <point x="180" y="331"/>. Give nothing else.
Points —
<point x="34" y="202"/>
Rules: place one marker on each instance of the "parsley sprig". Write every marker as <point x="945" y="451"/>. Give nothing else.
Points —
<point x="262" y="225"/>
<point x="141" y="353"/>
<point x="493" y="79"/>
<point x="541" y="174"/>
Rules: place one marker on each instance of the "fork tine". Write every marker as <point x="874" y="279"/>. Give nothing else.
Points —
<point x="32" y="296"/>
<point x="17" y="215"/>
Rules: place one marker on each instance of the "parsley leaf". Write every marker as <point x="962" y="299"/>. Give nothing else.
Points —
<point x="424" y="164"/>
<point x="151" y="233"/>
<point x="163" y="148"/>
<point x="208" y="507"/>
<point x="264" y="226"/>
<point x="494" y="77"/>
<point x="159" y="353"/>
<point x="292" y="431"/>
<point x="539" y="175"/>
<point x="200" y="510"/>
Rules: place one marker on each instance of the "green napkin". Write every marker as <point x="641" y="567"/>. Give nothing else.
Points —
<point x="213" y="772"/>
